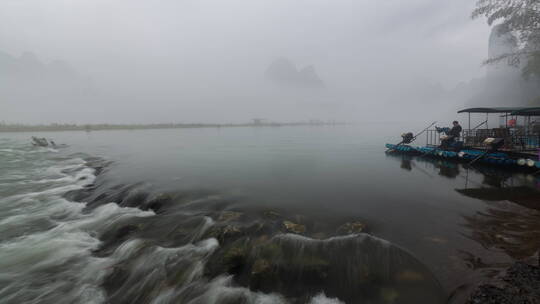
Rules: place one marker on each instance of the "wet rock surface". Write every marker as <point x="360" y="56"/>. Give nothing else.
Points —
<point x="520" y="284"/>
<point x="227" y="216"/>
<point x="294" y="228"/>
<point x="351" y="228"/>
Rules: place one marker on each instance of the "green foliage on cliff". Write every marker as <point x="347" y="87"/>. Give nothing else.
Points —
<point x="522" y="19"/>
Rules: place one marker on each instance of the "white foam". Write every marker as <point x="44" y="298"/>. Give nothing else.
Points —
<point x="359" y="236"/>
<point x="221" y="290"/>
<point x="30" y="260"/>
<point x="57" y="265"/>
<point x="322" y="299"/>
<point x="105" y="216"/>
<point x="44" y="264"/>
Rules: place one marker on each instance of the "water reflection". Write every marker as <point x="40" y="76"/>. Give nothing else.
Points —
<point x="444" y="168"/>
<point x="527" y="185"/>
<point x="406" y="163"/>
<point x="510" y="221"/>
<point x="507" y="227"/>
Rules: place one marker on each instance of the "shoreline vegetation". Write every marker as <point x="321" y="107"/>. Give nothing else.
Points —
<point x="102" y="127"/>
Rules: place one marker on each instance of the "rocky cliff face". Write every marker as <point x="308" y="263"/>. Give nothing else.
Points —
<point x="503" y="84"/>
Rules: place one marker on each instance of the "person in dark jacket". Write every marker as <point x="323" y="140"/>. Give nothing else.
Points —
<point x="452" y="135"/>
<point x="456" y="130"/>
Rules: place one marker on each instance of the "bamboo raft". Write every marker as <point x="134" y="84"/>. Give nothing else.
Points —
<point x="502" y="159"/>
<point x="510" y="146"/>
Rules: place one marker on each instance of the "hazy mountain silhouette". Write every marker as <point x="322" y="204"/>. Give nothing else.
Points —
<point x="284" y="73"/>
<point x="28" y="82"/>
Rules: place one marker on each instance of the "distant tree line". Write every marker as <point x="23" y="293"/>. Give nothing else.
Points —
<point x="4" y="127"/>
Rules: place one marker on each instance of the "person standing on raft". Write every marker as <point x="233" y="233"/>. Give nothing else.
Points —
<point x="452" y="135"/>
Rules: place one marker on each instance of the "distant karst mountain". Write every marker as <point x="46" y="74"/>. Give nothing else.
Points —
<point x="284" y="73"/>
<point x="28" y="73"/>
<point x="27" y="82"/>
<point x="30" y="67"/>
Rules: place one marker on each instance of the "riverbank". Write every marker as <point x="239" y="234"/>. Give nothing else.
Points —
<point x="101" y="127"/>
<point x="519" y="284"/>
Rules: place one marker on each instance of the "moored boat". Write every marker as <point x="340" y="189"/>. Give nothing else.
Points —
<point x="467" y="155"/>
<point x="509" y="146"/>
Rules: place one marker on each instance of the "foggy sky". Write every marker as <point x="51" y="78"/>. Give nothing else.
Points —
<point x="204" y="60"/>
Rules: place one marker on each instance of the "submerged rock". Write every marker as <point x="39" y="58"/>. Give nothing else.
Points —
<point x="262" y="275"/>
<point x="351" y="228"/>
<point x="227" y="216"/>
<point x="158" y="202"/>
<point x="272" y="215"/>
<point x="300" y="219"/>
<point x="230" y="231"/>
<point x="293" y="227"/>
<point x="409" y="275"/>
<point x="389" y="295"/>
<point x="260" y="267"/>
<point x="234" y="257"/>
<point x="348" y="268"/>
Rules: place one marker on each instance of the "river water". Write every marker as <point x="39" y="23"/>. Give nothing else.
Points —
<point x="299" y="214"/>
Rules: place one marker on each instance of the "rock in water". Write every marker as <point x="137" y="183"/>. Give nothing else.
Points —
<point x="227" y="216"/>
<point x="294" y="228"/>
<point x="351" y="228"/>
<point x="273" y="215"/>
<point x="353" y="269"/>
<point x="260" y="266"/>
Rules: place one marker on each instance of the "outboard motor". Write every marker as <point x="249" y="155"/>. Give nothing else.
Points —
<point x="407" y="137"/>
<point x="493" y="144"/>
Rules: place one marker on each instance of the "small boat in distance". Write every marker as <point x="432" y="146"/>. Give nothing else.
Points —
<point x="510" y="145"/>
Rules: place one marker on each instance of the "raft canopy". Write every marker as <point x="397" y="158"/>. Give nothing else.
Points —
<point x="515" y="111"/>
<point x="497" y="110"/>
<point x="527" y="112"/>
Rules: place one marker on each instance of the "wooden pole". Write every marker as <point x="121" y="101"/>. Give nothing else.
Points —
<point x="469" y="135"/>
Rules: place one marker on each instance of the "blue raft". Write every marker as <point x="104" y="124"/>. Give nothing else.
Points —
<point x="495" y="158"/>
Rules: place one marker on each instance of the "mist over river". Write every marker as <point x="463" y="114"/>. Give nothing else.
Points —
<point x="305" y="214"/>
